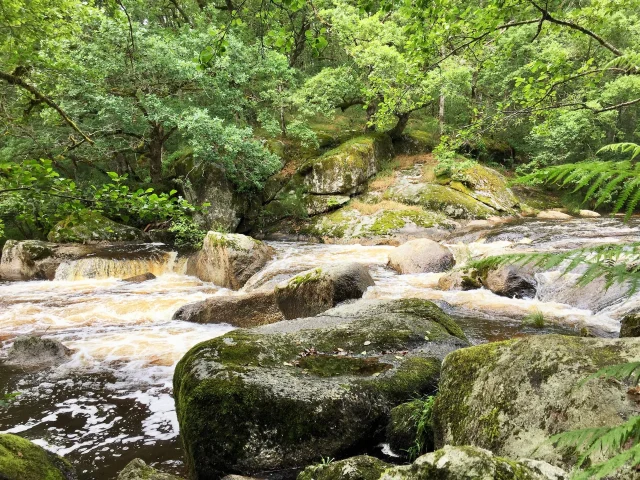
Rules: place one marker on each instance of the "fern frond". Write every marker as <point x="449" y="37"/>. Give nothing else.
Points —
<point x="629" y="457"/>
<point x="625" y="147"/>
<point x="626" y="372"/>
<point x="617" y="263"/>
<point x="628" y="61"/>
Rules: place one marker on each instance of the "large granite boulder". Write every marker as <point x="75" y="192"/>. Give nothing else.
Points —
<point x="246" y="310"/>
<point x="207" y="183"/>
<point x="421" y="256"/>
<point x="346" y="169"/>
<point x="448" y="463"/>
<point x="319" y="289"/>
<point x="442" y="198"/>
<point x="22" y="460"/>
<point x="32" y="351"/>
<point x="91" y="227"/>
<point x="510" y="397"/>
<point x="281" y="396"/>
<point x="28" y="260"/>
<point x="229" y="259"/>
<point x="137" y="469"/>
<point x="485" y="185"/>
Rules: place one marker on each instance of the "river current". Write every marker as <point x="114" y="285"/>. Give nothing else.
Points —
<point x="112" y="401"/>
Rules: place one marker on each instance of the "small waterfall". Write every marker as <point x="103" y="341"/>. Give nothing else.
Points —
<point x="158" y="263"/>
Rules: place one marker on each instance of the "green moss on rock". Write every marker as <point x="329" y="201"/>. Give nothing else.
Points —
<point x="91" y="227"/>
<point x="22" y="460"/>
<point x="282" y="395"/>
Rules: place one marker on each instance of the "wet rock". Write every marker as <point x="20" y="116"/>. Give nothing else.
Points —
<point x="553" y="215"/>
<point x="28" y="260"/>
<point x="91" y="227"/>
<point x="589" y="214"/>
<point x="346" y="169"/>
<point x="314" y="291"/>
<point x="37" y="260"/>
<point x="140" y="278"/>
<point x="630" y="325"/>
<point x="594" y="296"/>
<point x="297" y="390"/>
<point x="22" y="460"/>
<point x="37" y="351"/>
<point x="459" y="280"/>
<point x="421" y="256"/>
<point x="246" y="311"/>
<point x="511" y="396"/>
<point x="512" y="281"/>
<point x="402" y="429"/>
<point x="448" y="463"/>
<point x="137" y="469"/>
<point x="229" y="259"/>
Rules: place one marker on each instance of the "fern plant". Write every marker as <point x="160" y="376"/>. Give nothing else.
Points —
<point x="621" y="443"/>
<point x="604" y="182"/>
<point x="617" y="263"/>
<point x="424" y="429"/>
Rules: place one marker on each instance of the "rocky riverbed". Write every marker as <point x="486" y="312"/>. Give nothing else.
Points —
<point x="112" y="398"/>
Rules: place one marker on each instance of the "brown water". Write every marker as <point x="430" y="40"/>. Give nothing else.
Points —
<point x="112" y="401"/>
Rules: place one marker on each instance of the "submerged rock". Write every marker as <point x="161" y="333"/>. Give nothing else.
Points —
<point x="22" y="460"/>
<point x="314" y="291"/>
<point x="229" y="259"/>
<point x="421" y="256"/>
<point x="36" y="351"/>
<point x="448" y="463"/>
<point x="140" y="278"/>
<point x="246" y="311"/>
<point x="91" y="227"/>
<point x="512" y="396"/>
<point x="282" y="395"/>
<point x="137" y="469"/>
<point x="345" y="169"/>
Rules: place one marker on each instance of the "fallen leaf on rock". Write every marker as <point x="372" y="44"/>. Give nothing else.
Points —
<point x="367" y="343"/>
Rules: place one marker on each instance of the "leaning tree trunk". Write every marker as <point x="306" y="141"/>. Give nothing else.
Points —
<point x="396" y="132"/>
<point x="156" y="147"/>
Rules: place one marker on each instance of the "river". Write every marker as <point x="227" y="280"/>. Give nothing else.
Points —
<point x="111" y="402"/>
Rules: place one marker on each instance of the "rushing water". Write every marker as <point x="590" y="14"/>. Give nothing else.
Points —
<point x="111" y="402"/>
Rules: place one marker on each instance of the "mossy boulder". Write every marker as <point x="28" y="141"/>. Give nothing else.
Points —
<point x="28" y="260"/>
<point x="246" y="310"/>
<point x="207" y="183"/>
<point x="421" y="256"/>
<point x="319" y="289"/>
<point x="229" y="259"/>
<point x="137" y="469"/>
<point x="362" y="467"/>
<point x="444" y="199"/>
<point x="346" y="169"/>
<point x="511" y="396"/>
<point x="448" y="463"/>
<point x="283" y="395"/>
<point x="487" y="186"/>
<point x="22" y="460"/>
<point x="91" y="227"/>
<point x="316" y="204"/>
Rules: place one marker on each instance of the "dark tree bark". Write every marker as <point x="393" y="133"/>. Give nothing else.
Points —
<point x="156" y="148"/>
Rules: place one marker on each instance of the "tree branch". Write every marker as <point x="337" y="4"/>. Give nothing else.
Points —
<point x="17" y="81"/>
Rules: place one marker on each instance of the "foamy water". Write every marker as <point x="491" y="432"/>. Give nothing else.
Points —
<point x="112" y="402"/>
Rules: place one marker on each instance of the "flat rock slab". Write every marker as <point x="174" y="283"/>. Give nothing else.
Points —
<point x="282" y="395"/>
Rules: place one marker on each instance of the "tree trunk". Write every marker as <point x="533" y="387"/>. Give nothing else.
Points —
<point x="441" y="100"/>
<point x="396" y="132"/>
<point x="371" y="111"/>
<point x="156" y="146"/>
